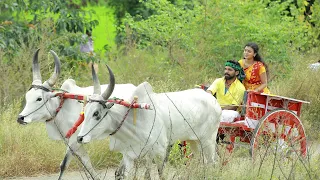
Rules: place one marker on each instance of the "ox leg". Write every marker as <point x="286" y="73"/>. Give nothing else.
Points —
<point x="65" y="163"/>
<point x="147" y="174"/>
<point x="162" y="164"/>
<point x="194" y="147"/>
<point x="119" y="173"/>
<point x="125" y="167"/>
<point x="209" y="151"/>
<point x="207" y="148"/>
<point x="83" y="157"/>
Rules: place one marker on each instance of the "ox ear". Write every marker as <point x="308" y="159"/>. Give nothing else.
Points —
<point x="50" y="95"/>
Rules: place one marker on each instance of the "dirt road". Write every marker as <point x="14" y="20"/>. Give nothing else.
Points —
<point x="77" y="175"/>
<point x="107" y="174"/>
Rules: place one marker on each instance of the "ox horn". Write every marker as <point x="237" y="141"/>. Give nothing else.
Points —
<point x="36" y="69"/>
<point x="107" y="93"/>
<point x="54" y="77"/>
<point x="96" y="83"/>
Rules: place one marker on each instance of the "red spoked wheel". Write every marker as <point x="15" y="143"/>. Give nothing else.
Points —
<point x="279" y="136"/>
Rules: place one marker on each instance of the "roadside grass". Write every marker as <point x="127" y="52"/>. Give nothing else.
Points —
<point x="243" y="168"/>
<point x="303" y="83"/>
<point x="240" y="165"/>
<point x="25" y="149"/>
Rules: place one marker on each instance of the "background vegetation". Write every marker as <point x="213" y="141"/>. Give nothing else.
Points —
<point x="172" y="44"/>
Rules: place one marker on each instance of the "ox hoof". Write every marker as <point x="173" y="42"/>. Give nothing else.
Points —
<point x="119" y="174"/>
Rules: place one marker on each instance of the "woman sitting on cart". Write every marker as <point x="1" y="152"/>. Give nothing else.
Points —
<point x="255" y="68"/>
<point x="229" y="90"/>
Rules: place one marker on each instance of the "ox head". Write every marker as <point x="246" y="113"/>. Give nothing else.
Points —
<point x="96" y="110"/>
<point x="38" y="97"/>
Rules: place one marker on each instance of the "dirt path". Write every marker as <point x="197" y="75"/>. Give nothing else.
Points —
<point x="76" y="175"/>
<point x="107" y="174"/>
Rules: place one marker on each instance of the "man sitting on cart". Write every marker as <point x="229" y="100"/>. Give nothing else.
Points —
<point x="229" y="90"/>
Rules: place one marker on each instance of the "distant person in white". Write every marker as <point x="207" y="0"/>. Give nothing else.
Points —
<point x="315" y="66"/>
<point x="88" y="48"/>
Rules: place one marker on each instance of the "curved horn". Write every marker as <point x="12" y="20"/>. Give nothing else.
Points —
<point x="107" y="93"/>
<point x="36" y="69"/>
<point x="96" y="83"/>
<point x="54" y="77"/>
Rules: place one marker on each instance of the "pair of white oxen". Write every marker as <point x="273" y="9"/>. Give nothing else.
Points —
<point x="191" y="115"/>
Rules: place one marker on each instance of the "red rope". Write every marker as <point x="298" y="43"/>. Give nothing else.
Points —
<point x="64" y="96"/>
<point x="130" y="105"/>
<point x="61" y="103"/>
<point x="124" y="118"/>
<point x="71" y="96"/>
<point x="75" y="126"/>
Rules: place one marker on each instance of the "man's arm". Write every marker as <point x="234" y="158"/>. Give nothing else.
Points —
<point x="213" y="88"/>
<point x="232" y="107"/>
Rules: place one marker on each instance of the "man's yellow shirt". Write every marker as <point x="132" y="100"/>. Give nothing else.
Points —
<point x="234" y="95"/>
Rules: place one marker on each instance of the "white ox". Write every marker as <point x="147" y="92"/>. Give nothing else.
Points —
<point x="191" y="115"/>
<point x="41" y="105"/>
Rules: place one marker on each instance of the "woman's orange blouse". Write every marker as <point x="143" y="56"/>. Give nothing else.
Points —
<point x="253" y="72"/>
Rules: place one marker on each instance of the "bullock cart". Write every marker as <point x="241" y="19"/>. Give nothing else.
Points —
<point x="269" y="124"/>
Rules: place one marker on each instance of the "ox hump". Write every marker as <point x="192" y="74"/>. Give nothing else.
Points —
<point x="68" y="85"/>
<point x="143" y="89"/>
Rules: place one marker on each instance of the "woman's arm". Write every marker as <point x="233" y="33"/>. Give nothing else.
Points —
<point x="264" y="82"/>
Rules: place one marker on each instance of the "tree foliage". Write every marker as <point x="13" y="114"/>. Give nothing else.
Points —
<point x="23" y="20"/>
<point x="139" y="10"/>
<point x="215" y="31"/>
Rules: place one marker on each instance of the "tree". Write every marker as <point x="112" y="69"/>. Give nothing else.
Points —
<point x="217" y="31"/>
<point x="138" y="10"/>
<point x="21" y="20"/>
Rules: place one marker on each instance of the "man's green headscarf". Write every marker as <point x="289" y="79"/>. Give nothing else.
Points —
<point x="237" y="67"/>
<point x="233" y="65"/>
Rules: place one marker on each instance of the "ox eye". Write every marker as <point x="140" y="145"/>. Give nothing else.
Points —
<point x="39" y="99"/>
<point x="96" y="113"/>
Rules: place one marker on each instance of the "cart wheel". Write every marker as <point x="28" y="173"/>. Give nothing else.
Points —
<point x="279" y="134"/>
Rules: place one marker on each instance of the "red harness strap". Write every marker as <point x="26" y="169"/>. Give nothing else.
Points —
<point x="60" y="105"/>
<point x="127" y="104"/>
<point x="64" y="96"/>
<point x="71" y="96"/>
<point x="75" y="126"/>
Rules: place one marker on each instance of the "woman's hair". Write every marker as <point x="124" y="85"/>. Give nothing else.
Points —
<point x="257" y="57"/>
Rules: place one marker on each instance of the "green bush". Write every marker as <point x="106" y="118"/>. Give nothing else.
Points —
<point x="211" y="33"/>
